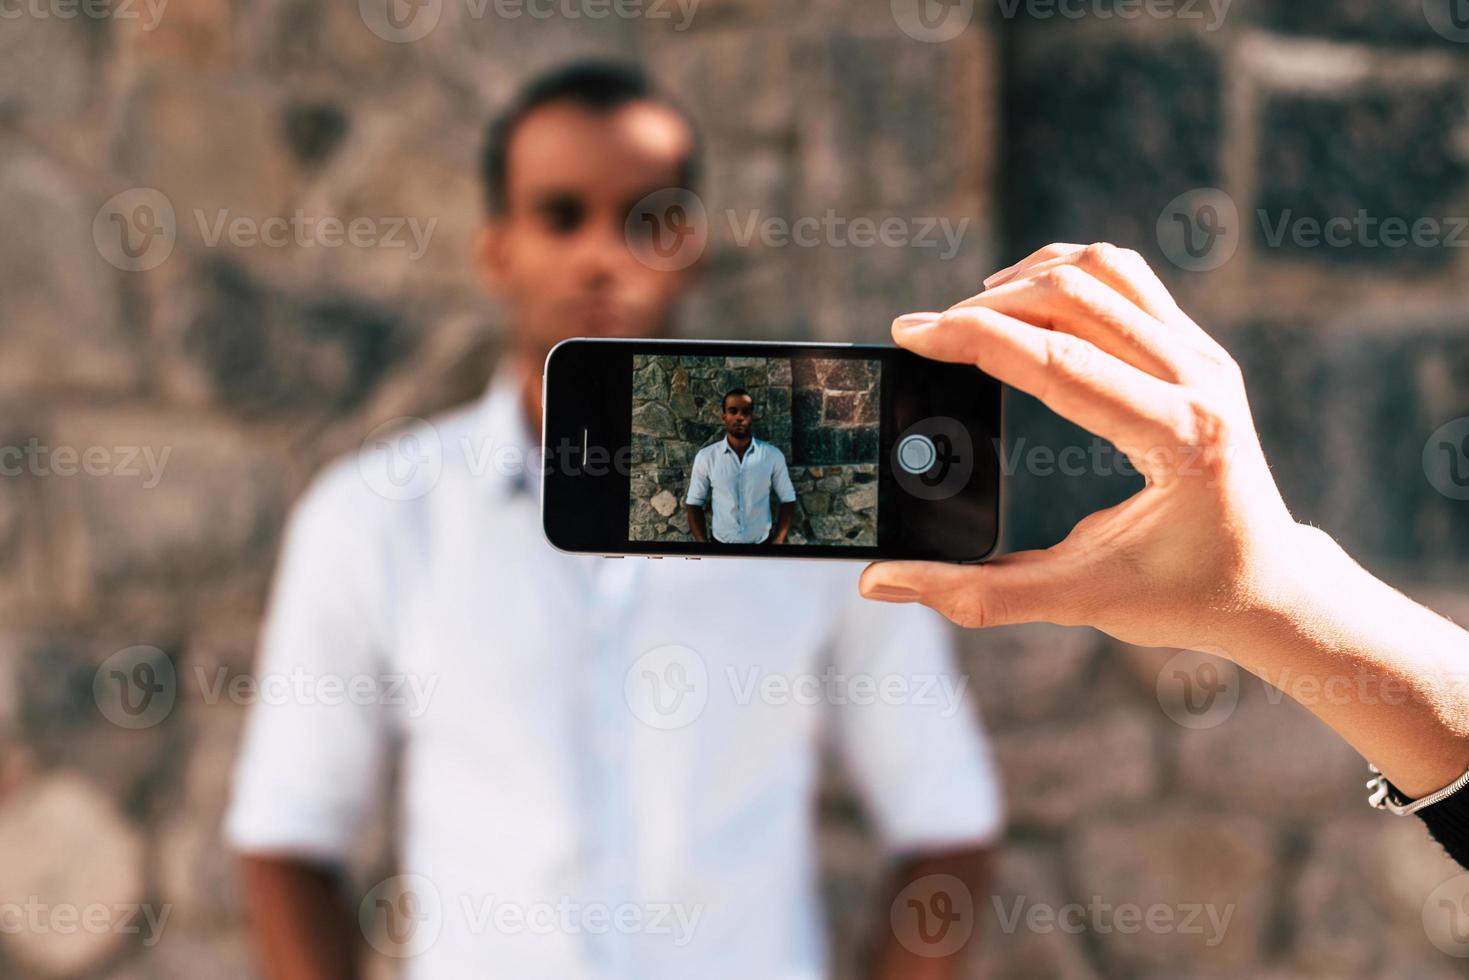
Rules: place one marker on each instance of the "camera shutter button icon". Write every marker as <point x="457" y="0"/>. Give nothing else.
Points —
<point x="917" y="453"/>
<point x="933" y="459"/>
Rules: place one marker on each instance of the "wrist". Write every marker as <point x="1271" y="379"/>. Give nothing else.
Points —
<point x="1291" y="581"/>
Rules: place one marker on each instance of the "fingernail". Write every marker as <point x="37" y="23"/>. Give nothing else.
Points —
<point x="1000" y="277"/>
<point x="912" y="321"/>
<point x="891" y="593"/>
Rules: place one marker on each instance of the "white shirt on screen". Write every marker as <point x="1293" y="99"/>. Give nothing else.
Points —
<point x="739" y="488"/>
<point x="607" y="767"/>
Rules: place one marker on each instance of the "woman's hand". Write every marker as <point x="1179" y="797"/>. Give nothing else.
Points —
<point x="1092" y="333"/>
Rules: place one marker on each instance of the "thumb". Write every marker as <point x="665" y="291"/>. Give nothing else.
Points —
<point x="1025" y="587"/>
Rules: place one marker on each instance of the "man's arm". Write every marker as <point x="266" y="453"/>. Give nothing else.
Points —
<point x="783" y="523"/>
<point x="785" y="492"/>
<point x="697" y="497"/>
<point x="309" y="770"/>
<point x="302" y="927"/>
<point x="916" y="935"/>
<point x="696" y="523"/>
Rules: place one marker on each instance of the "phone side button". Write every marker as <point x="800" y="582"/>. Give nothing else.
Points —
<point x="609" y="557"/>
<point x="690" y="558"/>
<point x="654" y="557"/>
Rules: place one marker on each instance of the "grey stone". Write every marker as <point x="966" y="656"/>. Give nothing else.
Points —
<point x="1388" y="154"/>
<point x="1178" y="861"/>
<point x="63" y="817"/>
<point x="665" y="503"/>
<point x="654" y="419"/>
<point x="1055" y="775"/>
<point x="62" y="304"/>
<point x="862" y="498"/>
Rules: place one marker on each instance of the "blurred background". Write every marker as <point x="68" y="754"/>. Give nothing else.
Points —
<point x="165" y="394"/>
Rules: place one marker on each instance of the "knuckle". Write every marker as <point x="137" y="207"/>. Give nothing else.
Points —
<point x="1068" y="356"/>
<point x="1067" y="281"/>
<point x="1101" y="255"/>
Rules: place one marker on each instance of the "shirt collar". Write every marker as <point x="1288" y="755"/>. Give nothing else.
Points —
<point x="724" y="444"/>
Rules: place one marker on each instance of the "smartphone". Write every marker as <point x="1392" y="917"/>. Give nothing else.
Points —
<point x="700" y="449"/>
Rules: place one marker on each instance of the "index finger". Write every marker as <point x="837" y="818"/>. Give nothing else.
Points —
<point x="1133" y="409"/>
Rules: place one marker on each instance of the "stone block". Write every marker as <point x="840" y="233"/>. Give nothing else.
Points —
<point x="1106" y="132"/>
<point x="63" y="306"/>
<point x="57" y="816"/>
<point x="179" y="502"/>
<point x="1209" y="878"/>
<point x="1062" y="773"/>
<point x="1363" y="159"/>
<point x="1026" y="673"/>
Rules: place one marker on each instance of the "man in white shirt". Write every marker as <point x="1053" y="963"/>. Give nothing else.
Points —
<point x="735" y="477"/>
<point x="601" y="774"/>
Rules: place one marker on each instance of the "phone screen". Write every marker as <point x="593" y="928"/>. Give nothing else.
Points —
<point x="756" y="450"/>
<point x="768" y="450"/>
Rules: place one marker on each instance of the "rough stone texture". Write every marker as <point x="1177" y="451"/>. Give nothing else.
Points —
<point x="1056" y="775"/>
<point x="1269" y="754"/>
<point x="821" y="413"/>
<point x="1179" y="860"/>
<point x="1325" y="158"/>
<point x="63" y="815"/>
<point x="255" y="365"/>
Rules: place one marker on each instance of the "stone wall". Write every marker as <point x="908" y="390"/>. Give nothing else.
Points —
<point x="814" y="410"/>
<point x="250" y="365"/>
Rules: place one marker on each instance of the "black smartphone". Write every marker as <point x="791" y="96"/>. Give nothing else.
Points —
<point x="701" y="449"/>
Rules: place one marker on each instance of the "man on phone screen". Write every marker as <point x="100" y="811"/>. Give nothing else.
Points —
<point x="739" y="473"/>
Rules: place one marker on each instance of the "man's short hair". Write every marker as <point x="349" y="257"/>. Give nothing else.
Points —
<point x="724" y="402"/>
<point x="598" y="86"/>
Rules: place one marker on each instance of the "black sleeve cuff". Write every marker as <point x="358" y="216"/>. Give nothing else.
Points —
<point x="1448" y="822"/>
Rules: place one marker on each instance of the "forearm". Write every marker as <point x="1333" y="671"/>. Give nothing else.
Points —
<point x="783" y="522"/>
<point x="1384" y="672"/>
<point x="302" y="928"/>
<point x="696" y="523"/>
<point x="907" y="949"/>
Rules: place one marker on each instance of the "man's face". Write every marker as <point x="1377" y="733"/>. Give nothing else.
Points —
<point x="558" y="255"/>
<point x="738" y="415"/>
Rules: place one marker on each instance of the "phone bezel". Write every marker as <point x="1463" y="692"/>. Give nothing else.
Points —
<point x="565" y="414"/>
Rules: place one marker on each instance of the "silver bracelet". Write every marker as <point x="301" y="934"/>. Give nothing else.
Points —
<point x="1385" y="795"/>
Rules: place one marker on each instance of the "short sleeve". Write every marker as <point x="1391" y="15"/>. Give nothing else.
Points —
<point x="780" y="480"/>
<point x="698" y="494"/>
<point x="312" y="760"/>
<point x="908" y="731"/>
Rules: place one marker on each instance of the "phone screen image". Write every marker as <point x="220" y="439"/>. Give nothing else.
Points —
<point x="770" y="451"/>
<point x="701" y="449"/>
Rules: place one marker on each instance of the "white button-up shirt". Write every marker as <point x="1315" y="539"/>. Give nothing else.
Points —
<point x="607" y="766"/>
<point x="740" y="488"/>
